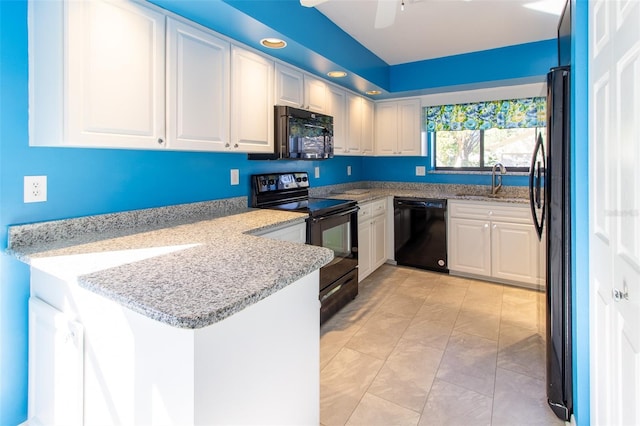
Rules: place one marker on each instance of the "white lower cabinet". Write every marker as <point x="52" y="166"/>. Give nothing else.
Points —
<point x="496" y="241"/>
<point x="94" y="362"/>
<point x="372" y="237"/>
<point x="56" y="365"/>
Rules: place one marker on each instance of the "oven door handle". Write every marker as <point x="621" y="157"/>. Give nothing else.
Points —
<point x="334" y="215"/>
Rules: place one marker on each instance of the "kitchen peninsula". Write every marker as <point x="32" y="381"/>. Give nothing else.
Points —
<point x="177" y="315"/>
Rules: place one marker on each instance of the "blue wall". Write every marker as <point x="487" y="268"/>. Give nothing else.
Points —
<point x="580" y="209"/>
<point x="84" y="182"/>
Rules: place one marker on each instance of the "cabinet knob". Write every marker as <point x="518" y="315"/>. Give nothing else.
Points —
<point x="494" y="226"/>
<point x="235" y="145"/>
<point x="160" y="141"/>
<point x="226" y="145"/>
<point x="486" y="226"/>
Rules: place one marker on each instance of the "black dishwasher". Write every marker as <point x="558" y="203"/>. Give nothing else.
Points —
<point x="420" y="229"/>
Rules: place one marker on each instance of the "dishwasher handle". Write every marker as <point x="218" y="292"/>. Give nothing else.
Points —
<point x="429" y="204"/>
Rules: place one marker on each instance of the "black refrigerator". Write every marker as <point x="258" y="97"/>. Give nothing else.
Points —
<point x="550" y="197"/>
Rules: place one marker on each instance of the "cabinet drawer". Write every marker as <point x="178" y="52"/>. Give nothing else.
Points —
<point x="490" y="211"/>
<point x="365" y="212"/>
<point x="379" y="207"/>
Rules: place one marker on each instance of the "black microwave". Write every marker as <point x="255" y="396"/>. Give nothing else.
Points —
<point x="300" y="135"/>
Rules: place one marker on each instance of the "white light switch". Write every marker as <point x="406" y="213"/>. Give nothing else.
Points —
<point x="235" y="177"/>
<point x="421" y="171"/>
<point x="317" y="172"/>
<point x="348" y="170"/>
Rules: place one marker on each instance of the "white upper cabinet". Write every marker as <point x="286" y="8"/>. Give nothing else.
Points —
<point x="114" y="90"/>
<point x="251" y="101"/>
<point x="359" y="129"/>
<point x="315" y="94"/>
<point x="300" y="90"/>
<point x="367" y="138"/>
<point x="398" y="127"/>
<point x="337" y="108"/>
<point x="197" y="88"/>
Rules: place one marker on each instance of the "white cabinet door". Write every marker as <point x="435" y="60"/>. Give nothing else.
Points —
<point x="251" y="102"/>
<point x="289" y="86"/>
<point x="398" y="128"/>
<point x="56" y="365"/>
<point x="365" y="263"/>
<point x="337" y="107"/>
<point x="354" y="124"/>
<point x="514" y="252"/>
<point x="386" y="128"/>
<point x="115" y="82"/>
<point x="299" y="90"/>
<point x="470" y="246"/>
<point x="315" y="94"/>
<point x="197" y="89"/>
<point x="409" y="127"/>
<point x="366" y="139"/>
<point x="379" y="237"/>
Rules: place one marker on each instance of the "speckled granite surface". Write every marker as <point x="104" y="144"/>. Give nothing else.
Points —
<point x="195" y="264"/>
<point x="370" y="190"/>
<point x="180" y="271"/>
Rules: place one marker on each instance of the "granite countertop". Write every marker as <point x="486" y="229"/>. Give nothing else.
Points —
<point x="450" y="192"/>
<point x="193" y="265"/>
<point x="189" y="274"/>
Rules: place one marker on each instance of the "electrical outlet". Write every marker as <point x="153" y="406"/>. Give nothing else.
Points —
<point x="235" y="177"/>
<point x="35" y="189"/>
<point x="348" y="170"/>
<point x="421" y="171"/>
<point x="317" y="172"/>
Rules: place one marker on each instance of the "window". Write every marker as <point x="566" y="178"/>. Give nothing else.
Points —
<point x="476" y="136"/>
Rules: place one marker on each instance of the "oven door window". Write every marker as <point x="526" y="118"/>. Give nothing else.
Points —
<point x="338" y="232"/>
<point x="338" y="239"/>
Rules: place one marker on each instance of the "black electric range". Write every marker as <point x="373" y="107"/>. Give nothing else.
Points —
<point x="332" y="223"/>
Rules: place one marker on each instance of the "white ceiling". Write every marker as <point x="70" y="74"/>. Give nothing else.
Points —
<point x="429" y="29"/>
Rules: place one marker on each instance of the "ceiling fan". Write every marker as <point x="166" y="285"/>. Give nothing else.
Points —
<point x="385" y="11"/>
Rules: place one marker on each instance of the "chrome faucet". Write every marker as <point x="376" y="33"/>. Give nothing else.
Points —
<point x="495" y="188"/>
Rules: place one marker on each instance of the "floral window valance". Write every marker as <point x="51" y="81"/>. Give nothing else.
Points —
<point x="507" y="114"/>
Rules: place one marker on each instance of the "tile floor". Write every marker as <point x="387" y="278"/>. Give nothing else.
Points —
<point x="422" y="348"/>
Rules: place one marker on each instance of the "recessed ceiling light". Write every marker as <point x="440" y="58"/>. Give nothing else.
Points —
<point x="273" y="43"/>
<point x="373" y="92"/>
<point x="337" y="74"/>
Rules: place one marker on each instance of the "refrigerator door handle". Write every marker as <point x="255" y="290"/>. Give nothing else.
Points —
<point x="536" y="173"/>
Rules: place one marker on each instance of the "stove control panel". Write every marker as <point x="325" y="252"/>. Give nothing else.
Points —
<point x="273" y="182"/>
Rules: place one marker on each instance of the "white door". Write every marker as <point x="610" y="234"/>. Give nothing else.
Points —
<point x="251" y="101"/>
<point x="366" y="135"/>
<point x="354" y="124"/>
<point x="197" y="89"/>
<point x="336" y="107"/>
<point x="386" y="128"/>
<point x="470" y="246"/>
<point x="289" y="86"/>
<point x="614" y="170"/>
<point x="514" y="252"/>
<point x="409" y="127"/>
<point x="115" y="76"/>
<point x="315" y="94"/>
<point x="379" y="229"/>
<point x="56" y="363"/>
